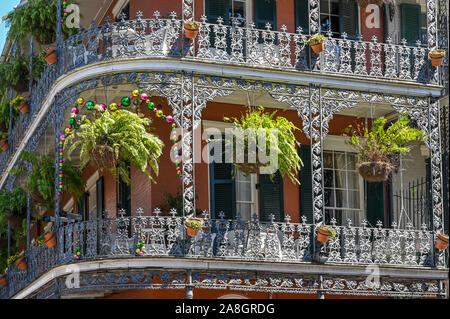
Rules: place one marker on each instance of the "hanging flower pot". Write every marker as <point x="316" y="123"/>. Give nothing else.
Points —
<point x="191" y="29"/>
<point x="436" y="56"/>
<point x="50" y="239"/>
<point x="103" y="156"/>
<point x="4" y="144"/>
<point x="24" y="107"/>
<point x="193" y="225"/>
<point x="324" y="233"/>
<point x="317" y="43"/>
<point x="50" y="56"/>
<point x="21" y="263"/>
<point x="442" y="242"/>
<point x="375" y="171"/>
<point x="3" y="281"/>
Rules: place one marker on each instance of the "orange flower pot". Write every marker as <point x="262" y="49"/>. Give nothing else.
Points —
<point x="4" y="144"/>
<point x="51" y="56"/>
<point x="441" y="242"/>
<point x="318" y="47"/>
<point x="50" y="240"/>
<point x="436" y="59"/>
<point x="190" y="32"/>
<point x="323" y="235"/>
<point x="21" y="263"/>
<point x="24" y="107"/>
<point x="3" y="281"/>
<point x="191" y="231"/>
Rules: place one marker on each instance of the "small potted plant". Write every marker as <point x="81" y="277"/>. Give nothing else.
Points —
<point x="19" y="260"/>
<point x="191" y="29"/>
<point x="442" y="242"/>
<point x="12" y="205"/>
<point x="3" y="281"/>
<point x="279" y="139"/>
<point x="49" y="239"/>
<point x="193" y="225"/>
<point x="317" y="43"/>
<point x="324" y="233"/>
<point x="50" y="56"/>
<point x="378" y="147"/>
<point x="4" y="141"/>
<point x="436" y="56"/>
<point x="21" y="104"/>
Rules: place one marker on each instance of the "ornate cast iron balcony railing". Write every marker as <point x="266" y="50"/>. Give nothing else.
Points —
<point x="222" y="239"/>
<point x="231" y="45"/>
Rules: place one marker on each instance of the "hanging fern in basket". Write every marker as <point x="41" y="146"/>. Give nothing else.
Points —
<point x="115" y="138"/>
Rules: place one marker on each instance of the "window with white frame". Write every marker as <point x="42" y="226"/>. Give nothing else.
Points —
<point x="245" y="195"/>
<point x="343" y="186"/>
<point x="238" y="10"/>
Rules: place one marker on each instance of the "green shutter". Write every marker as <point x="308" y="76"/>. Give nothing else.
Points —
<point x="217" y="8"/>
<point x="348" y="18"/>
<point x="271" y="197"/>
<point x="411" y="24"/>
<point x="375" y="202"/>
<point x="82" y="206"/>
<point x="100" y="197"/>
<point x="306" y="196"/>
<point x="265" y="11"/>
<point x="301" y="9"/>
<point x="125" y="195"/>
<point x="222" y="188"/>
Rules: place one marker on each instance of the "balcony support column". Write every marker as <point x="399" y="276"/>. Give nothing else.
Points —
<point x="314" y="16"/>
<point x="189" y="286"/>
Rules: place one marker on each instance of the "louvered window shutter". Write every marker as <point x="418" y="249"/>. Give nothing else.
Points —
<point x="271" y="197"/>
<point x="306" y="196"/>
<point x="265" y="12"/>
<point x="375" y="202"/>
<point x="411" y="24"/>
<point x="348" y="18"/>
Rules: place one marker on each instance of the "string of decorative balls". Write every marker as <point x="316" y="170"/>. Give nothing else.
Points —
<point x="77" y="249"/>
<point x="136" y="97"/>
<point x="64" y="6"/>
<point x="140" y="245"/>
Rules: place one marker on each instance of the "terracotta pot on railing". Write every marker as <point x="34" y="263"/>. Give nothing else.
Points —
<point x="24" y="107"/>
<point x="436" y="56"/>
<point x="4" y="144"/>
<point x="190" y="32"/>
<point x="21" y="263"/>
<point x="442" y="242"/>
<point x="322" y="235"/>
<point x="3" y="281"/>
<point x="51" y="56"/>
<point x="50" y="240"/>
<point x="318" y="47"/>
<point x="192" y="232"/>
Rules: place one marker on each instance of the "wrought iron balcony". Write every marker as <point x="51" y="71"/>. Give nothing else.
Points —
<point x="228" y="45"/>
<point x="232" y="240"/>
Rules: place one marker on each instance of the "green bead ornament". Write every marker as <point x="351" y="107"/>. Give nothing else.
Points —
<point x="90" y="105"/>
<point x="125" y="101"/>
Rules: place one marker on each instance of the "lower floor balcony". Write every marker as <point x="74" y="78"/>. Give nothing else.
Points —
<point x="156" y="251"/>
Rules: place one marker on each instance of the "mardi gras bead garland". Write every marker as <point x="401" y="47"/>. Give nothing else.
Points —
<point x="138" y="96"/>
<point x="77" y="249"/>
<point x="64" y="16"/>
<point x="140" y="245"/>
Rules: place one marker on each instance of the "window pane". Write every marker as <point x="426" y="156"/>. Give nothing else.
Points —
<point x="329" y="197"/>
<point x="353" y="180"/>
<point x="243" y="187"/>
<point x="335" y="24"/>
<point x="335" y="7"/>
<point x="339" y="160"/>
<point x="245" y="209"/>
<point x="328" y="178"/>
<point x="328" y="159"/>
<point x="353" y="199"/>
<point x="340" y="180"/>
<point x="324" y="6"/>
<point x="351" y="161"/>
<point x="340" y="198"/>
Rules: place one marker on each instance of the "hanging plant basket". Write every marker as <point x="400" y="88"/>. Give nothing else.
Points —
<point x="4" y="144"/>
<point x="24" y="107"/>
<point x="103" y="157"/>
<point x="436" y="57"/>
<point x="442" y="242"/>
<point x="21" y="263"/>
<point x="3" y="281"/>
<point x="50" y="239"/>
<point x="193" y="225"/>
<point x="250" y="168"/>
<point x="191" y="29"/>
<point x="374" y="171"/>
<point x="50" y="56"/>
<point x="365" y="3"/>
